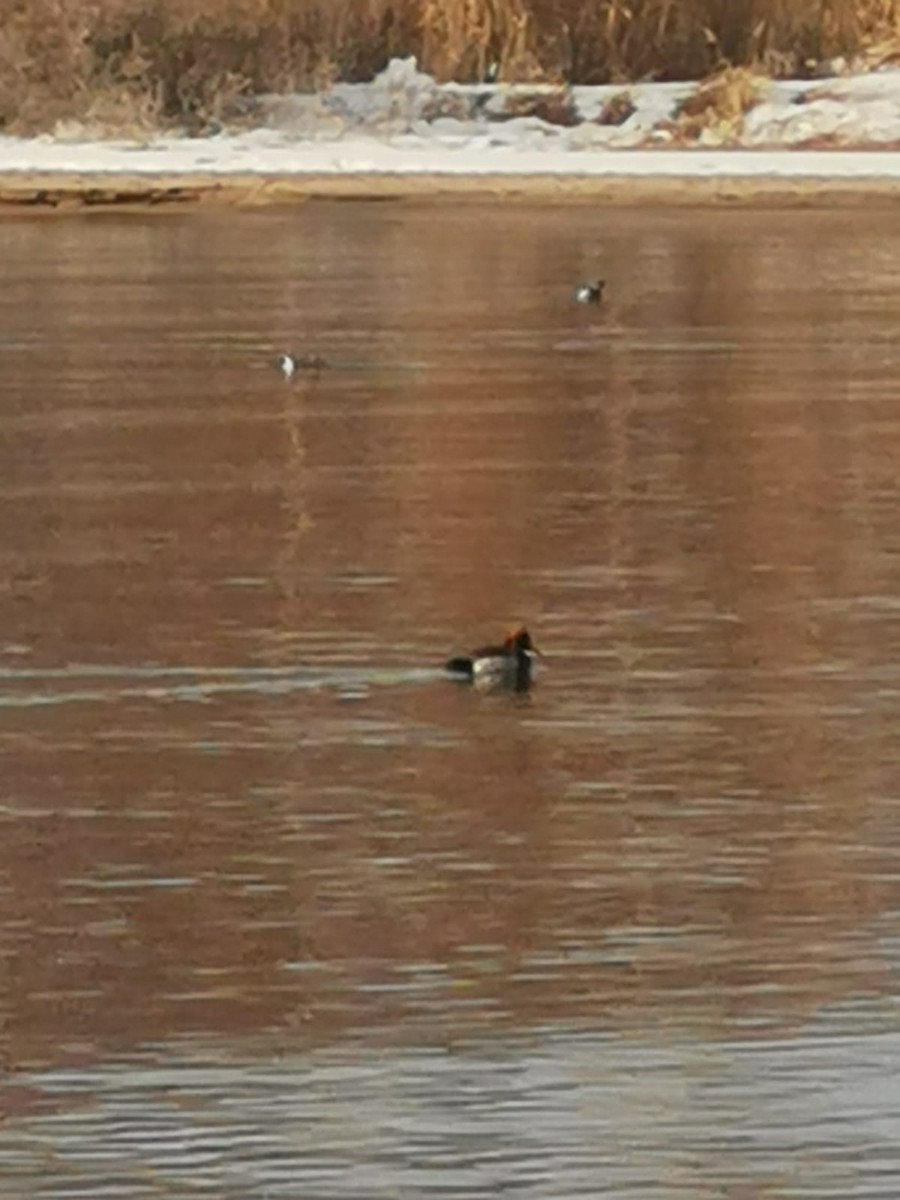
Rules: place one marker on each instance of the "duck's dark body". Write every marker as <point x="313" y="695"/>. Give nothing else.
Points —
<point x="590" y="293"/>
<point x="506" y="666"/>
<point x="290" y="364"/>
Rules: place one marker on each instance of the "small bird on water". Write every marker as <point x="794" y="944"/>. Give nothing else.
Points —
<point x="589" y="293"/>
<point x="288" y="364"/>
<point x="507" y="666"/>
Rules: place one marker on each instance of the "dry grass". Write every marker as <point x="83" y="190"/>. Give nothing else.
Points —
<point x="148" y="62"/>
<point x="616" y="110"/>
<point x="718" y="105"/>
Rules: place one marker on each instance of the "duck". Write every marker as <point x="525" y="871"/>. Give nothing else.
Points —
<point x="589" y="293"/>
<point x="506" y="666"/>
<point x="288" y="364"/>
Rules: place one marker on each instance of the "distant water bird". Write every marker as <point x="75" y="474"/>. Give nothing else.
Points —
<point x="289" y="364"/>
<point x="506" y="666"/>
<point x="589" y="293"/>
<point x="491" y="72"/>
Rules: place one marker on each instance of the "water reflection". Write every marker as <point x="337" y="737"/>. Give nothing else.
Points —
<point x="567" y="1115"/>
<point x="246" y="820"/>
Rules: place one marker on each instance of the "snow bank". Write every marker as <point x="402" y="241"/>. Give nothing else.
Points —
<point x="404" y="123"/>
<point x="855" y="110"/>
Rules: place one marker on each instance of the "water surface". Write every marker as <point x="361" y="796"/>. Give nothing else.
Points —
<point x="285" y="913"/>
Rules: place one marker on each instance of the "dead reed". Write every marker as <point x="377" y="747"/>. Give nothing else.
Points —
<point x="718" y="105"/>
<point x="149" y="62"/>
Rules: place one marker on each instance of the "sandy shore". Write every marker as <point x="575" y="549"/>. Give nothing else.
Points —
<point x="45" y="193"/>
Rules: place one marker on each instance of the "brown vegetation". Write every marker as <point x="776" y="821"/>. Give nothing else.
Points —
<point x="718" y="105"/>
<point x="146" y="62"/>
<point x="556" y="106"/>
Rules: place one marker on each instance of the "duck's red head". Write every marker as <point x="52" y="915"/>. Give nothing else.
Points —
<point x="518" y="641"/>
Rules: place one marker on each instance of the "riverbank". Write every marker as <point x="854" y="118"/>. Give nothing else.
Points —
<point x="92" y="192"/>
<point x="734" y="139"/>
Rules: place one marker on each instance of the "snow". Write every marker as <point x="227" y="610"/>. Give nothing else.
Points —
<point x="403" y="123"/>
<point x="272" y="155"/>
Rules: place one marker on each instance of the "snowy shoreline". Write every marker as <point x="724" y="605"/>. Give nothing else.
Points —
<point x="404" y="133"/>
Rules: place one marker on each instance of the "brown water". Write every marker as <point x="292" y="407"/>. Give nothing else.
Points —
<point x="285" y="913"/>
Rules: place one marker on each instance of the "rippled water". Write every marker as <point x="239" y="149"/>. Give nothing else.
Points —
<point x="285" y="913"/>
